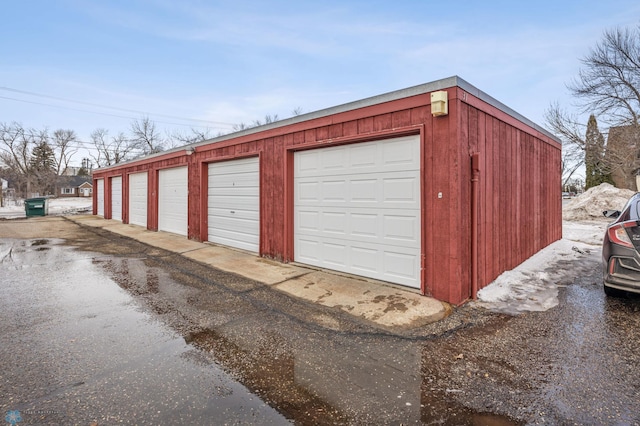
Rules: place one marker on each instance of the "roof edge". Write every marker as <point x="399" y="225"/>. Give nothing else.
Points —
<point x="421" y="89"/>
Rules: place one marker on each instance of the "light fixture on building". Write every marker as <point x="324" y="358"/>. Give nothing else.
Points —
<point x="439" y="103"/>
<point x="190" y="150"/>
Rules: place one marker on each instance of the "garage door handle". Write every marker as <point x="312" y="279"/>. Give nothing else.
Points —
<point x="232" y="211"/>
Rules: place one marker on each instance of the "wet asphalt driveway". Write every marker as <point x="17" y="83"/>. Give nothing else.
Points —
<point x="99" y="328"/>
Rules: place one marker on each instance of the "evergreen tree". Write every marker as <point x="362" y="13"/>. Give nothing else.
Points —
<point x="43" y="167"/>
<point x="597" y="170"/>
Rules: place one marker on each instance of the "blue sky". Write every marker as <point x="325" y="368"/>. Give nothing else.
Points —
<point x="210" y="63"/>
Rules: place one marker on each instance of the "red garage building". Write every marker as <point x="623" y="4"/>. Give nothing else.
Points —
<point x="438" y="187"/>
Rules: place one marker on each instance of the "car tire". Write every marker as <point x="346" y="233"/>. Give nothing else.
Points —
<point x="612" y="292"/>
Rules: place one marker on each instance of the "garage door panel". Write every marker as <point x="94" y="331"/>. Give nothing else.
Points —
<point x="335" y="190"/>
<point x="401" y="190"/>
<point x="388" y="227"/>
<point x="240" y="166"/>
<point x="116" y="198"/>
<point x="363" y="156"/>
<point x="173" y="198"/>
<point x="365" y="260"/>
<point x="334" y="254"/>
<point x="335" y="223"/>
<point x="308" y="221"/>
<point x="364" y="190"/>
<point x="395" y="264"/>
<point x="138" y="199"/>
<point x="308" y="192"/>
<point x="235" y="224"/>
<point x="357" y="209"/>
<point x="401" y="152"/>
<point x="236" y="180"/>
<point x="308" y="250"/>
<point x="394" y="155"/>
<point x="246" y="237"/>
<point x="251" y="215"/>
<point x="397" y="190"/>
<point x="229" y="195"/>
<point x="365" y="225"/>
<point x="234" y="203"/>
<point x="403" y="229"/>
<point x="100" y="197"/>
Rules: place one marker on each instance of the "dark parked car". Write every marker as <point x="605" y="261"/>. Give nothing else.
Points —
<point x="621" y="249"/>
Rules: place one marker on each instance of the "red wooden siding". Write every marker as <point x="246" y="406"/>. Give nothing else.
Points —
<point x="520" y="207"/>
<point x="519" y="189"/>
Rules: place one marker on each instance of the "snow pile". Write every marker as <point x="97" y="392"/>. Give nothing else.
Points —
<point x="594" y="201"/>
<point x="56" y="206"/>
<point x="534" y="284"/>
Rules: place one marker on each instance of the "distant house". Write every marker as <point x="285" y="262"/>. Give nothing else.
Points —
<point x="623" y="152"/>
<point x="75" y="186"/>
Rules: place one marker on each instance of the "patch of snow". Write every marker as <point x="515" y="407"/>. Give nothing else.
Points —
<point x="534" y="284"/>
<point x="56" y="206"/>
<point x="594" y="201"/>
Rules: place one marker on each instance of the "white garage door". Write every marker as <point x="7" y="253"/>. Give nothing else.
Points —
<point x="234" y="203"/>
<point x="357" y="209"/>
<point x="116" y="198"/>
<point x="138" y="199"/>
<point x="173" y="197"/>
<point x="100" y="196"/>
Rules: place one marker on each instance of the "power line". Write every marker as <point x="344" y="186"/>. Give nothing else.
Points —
<point x="215" y="123"/>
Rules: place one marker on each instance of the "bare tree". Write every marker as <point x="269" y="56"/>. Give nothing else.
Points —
<point x="609" y="83"/>
<point x="608" y="86"/>
<point x="110" y="150"/>
<point x="16" y="145"/>
<point x="572" y="134"/>
<point x="64" y="149"/>
<point x="145" y="137"/>
<point x="177" y="138"/>
<point x="268" y="119"/>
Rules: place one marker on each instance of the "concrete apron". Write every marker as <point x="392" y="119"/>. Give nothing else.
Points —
<point x="386" y="305"/>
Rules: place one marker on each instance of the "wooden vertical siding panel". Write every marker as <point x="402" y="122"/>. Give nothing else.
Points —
<point x="473" y="147"/>
<point x="420" y="115"/>
<point x="298" y="138"/>
<point x="335" y="130"/>
<point x="517" y="164"/>
<point x="310" y="136"/>
<point x="400" y="119"/>
<point x="365" y="125"/>
<point x="467" y="144"/>
<point x="487" y="196"/>
<point x="480" y="129"/>
<point x="267" y="185"/>
<point x="193" y="201"/>
<point x="152" y="208"/>
<point x="279" y="196"/>
<point x="505" y="230"/>
<point x="349" y="128"/>
<point x="508" y="201"/>
<point x="382" y="122"/>
<point x="454" y="208"/>
<point x="441" y="173"/>
<point x="322" y="133"/>
<point x="204" y="197"/>
<point x="430" y="199"/>
<point x="496" y="167"/>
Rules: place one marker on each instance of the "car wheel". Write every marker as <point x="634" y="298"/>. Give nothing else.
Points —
<point x="613" y="292"/>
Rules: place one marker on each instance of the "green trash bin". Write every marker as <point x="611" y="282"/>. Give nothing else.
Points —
<point x="36" y="206"/>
